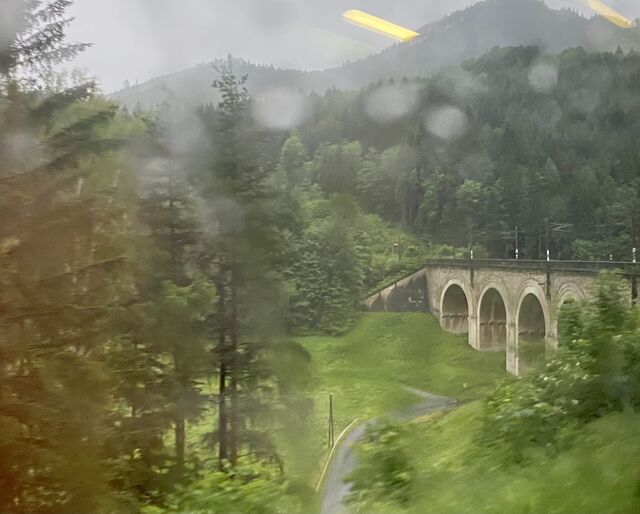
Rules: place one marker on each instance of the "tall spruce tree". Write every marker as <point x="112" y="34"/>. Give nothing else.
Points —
<point x="174" y="285"/>
<point x="247" y="253"/>
<point x="60" y="254"/>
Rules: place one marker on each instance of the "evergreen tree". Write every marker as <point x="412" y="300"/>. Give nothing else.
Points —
<point x="60" y="251"/>
<point x="177" y="294"/>
<point x="32" y="39"/>
<point x="246" y="255"/>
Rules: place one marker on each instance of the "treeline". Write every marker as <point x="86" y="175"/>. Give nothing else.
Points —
<point x="544" y="143"/>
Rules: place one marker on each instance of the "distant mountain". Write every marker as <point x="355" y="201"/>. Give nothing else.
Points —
<point x="460" y="36"/>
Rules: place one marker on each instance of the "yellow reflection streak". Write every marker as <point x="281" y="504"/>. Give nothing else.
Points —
<point x="384" y="27"/>
<point x="613" y="16"/>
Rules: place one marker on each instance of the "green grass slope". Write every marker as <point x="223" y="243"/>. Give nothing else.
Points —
<point x="596" y="473"/>
<point x="367" y="369"/>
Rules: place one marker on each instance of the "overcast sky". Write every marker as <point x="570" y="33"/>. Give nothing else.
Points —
<point x="138" y="39"/>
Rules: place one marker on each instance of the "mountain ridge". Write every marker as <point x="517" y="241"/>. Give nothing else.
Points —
<point x="459" y="36"/>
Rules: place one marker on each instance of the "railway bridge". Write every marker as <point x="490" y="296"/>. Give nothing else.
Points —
<point x="503" y="305"/>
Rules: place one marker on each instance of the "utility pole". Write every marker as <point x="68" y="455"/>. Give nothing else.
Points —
<point x="559" y="229"/>
<point x="398" y="250"/>
<point x="539" y="244"/>
<point x="546" y="236"/>
<point x="331" y="435"/>
<point x="634" y="279"/>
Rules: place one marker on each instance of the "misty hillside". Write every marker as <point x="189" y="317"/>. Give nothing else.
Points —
<point x="460" y="36"/>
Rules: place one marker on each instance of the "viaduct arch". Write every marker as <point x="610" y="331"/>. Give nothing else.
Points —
<point x="455" y="307"/>
<point x="502" y="306"/>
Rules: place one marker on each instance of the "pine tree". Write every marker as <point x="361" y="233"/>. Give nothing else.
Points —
<point x="57" y="263"/>
<point x="33" y="39"/>
<point x="60" y="251"/>
<point x="175" y="285"/>
<point x="247" y="255"/>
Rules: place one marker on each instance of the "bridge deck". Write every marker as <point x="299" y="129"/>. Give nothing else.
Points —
<point x="593" y="267"/>
<point x="625" y="268"/>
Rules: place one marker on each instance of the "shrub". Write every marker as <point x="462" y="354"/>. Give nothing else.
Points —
<point x="385" y="473"/>
<point x="586" y="378"/>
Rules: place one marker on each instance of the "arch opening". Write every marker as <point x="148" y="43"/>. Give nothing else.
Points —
<point x="532" y="333"/>
<point x="455" y="310"/>
<point x="493" y="321"/>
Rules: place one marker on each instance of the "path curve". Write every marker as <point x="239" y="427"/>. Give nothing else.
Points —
<point x="336" y="490"/>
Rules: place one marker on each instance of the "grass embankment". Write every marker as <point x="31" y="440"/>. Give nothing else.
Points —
<point x="367" y="369"/>
<point x="597" y="473"/>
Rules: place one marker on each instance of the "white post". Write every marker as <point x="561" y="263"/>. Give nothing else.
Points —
<point x="548" y="256"/>
<point x="635" y="255"/>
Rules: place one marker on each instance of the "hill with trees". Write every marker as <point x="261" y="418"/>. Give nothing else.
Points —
<point x="517" y="138"/>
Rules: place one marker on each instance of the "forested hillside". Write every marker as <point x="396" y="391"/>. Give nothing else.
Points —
<point x="460" y="36"/>
<point x="547" y="143"/>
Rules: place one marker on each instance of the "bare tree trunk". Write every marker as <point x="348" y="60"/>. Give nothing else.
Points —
<point x="180" y="424"/>
<point x="222" y="418"/>
<point x="233" y="332"/>
<point x="180" y="445"/>
<point x="222" y="385"/>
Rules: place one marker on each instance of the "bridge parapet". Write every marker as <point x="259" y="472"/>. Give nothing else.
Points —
<point x="592" y="267"/>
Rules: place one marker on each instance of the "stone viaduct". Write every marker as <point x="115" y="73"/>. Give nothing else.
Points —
<point x="503" y="305"/>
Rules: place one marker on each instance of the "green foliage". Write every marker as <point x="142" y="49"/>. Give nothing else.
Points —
<point x="341" y="256"/>
<point x="328" y="275"/>
<point x="253" y="487"/>
<point x="558" y="164"/>
<point x="124" y="299"/>
<point x="336" y="167"/>
<point x="584" y="380"/>
<point x="292" y="159"/>
<point x="384" y="471"/>
<point x="106" y="299"/>
<point x="64" y="278"/>
<point x="33" y="38"/>
<point x="597" y="473"/>
<point x="388" y="185"/>
<point x="246" y="252"/>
